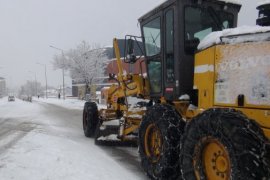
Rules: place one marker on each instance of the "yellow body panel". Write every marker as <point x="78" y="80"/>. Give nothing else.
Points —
<point x="261" y="116"/>
<point x="266" y="132"/>
<point x="204" y="77"/>
<point x="224" y="72"/>
<point x="243" y="69"/>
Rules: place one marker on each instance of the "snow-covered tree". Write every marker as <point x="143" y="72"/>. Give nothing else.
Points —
<point x="86" y="63"/>
<point x="30" y="88"/>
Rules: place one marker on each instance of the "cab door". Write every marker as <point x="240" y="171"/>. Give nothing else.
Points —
<point x="152" y="33"/>
<point x="169" y="53"/>
<point x="158" y="33"/>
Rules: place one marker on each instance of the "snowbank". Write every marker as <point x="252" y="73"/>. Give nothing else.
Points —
<point x="46" y="156"/>
<point x="67" y="103"/>
<point x="37" y="145"/>
<point x="17" y="108"/>
<point x="215" y="37"/>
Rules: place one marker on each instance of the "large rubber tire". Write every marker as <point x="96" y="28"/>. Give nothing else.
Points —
<point x="90" y="118"/>
<point x="170" y="125"/>
<point x="243" y="141"/>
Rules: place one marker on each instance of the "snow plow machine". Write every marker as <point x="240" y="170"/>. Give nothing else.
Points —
<point x="205" y="110"/>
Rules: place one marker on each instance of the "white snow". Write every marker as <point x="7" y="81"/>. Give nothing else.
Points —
<point x="184" y="97"/>
<point x="67" y="103"/>
<point x="111" y="137"/>
<point x="40" y="146"/>
<point x="214" y="37"/>
<point x="75" y="103"/>
<point x="70" y="103"/>
<point x="263" y="2"/>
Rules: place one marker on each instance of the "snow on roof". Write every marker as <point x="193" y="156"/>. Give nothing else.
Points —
<point x="231" y="1"/>
<point x="214" y="37"/>
<point x="160" y="2"/>
<point x="263" y="2"/>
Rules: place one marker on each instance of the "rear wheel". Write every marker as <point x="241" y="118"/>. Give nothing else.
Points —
<point x="223" y="144"/>
<point x="90" y="118"/>
<point x="159" y="140"/>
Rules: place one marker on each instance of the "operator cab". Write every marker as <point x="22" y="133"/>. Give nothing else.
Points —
<point x="171" y="33"/>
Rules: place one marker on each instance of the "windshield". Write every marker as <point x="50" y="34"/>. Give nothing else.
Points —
<point x="151" y="33"/>
<point x="199" y="22"/>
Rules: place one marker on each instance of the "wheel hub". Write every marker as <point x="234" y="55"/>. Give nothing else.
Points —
<point x="153" y="143"/>
<point x="221" y="164"/>
<point x="214" y="159"/>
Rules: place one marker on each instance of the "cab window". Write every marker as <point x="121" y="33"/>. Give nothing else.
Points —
<point x="201" y="21"/>
<point x="151" y="32"/>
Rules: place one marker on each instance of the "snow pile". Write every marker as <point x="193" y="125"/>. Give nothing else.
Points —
<point x="111" y="137"/>
<point x="44" y="156"/>
<point x="37" y="144"/>
<point x="184" y="97"/>
<point x="67" y="103"/>
<point x="17" y="108"/>
<point x="263" y="2"/>
<point x="215" y="37"/>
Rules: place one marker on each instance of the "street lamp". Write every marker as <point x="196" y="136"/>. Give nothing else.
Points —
<point x="63" y="70"/>
<point x="45" y="78"/>
<point x="35" y="80"/>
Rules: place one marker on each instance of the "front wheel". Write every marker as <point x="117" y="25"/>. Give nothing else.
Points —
<point x="90" y="118"/>
<point x="159" y="140"/>
<point x="223" y="144"/>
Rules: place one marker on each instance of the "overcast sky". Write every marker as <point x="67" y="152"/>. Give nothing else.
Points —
<point x="29" y="27"/>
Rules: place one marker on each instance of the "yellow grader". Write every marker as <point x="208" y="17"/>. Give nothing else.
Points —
<point x="208" y="110"/>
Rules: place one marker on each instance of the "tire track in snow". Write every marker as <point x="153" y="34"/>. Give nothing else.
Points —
<point x="11" y="133"/>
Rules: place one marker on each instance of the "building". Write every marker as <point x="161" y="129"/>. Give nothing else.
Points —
<point x="2" y="87"/>
<point x="136" y="68"/>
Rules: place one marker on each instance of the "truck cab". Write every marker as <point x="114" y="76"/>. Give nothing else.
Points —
<point x="171" y="33"/>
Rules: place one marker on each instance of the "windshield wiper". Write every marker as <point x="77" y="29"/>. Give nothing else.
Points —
<point x="154" y="39"/>
<point x="216" y="18"/>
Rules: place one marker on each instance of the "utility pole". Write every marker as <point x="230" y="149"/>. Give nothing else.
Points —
<point x="45" y="79"/>
<point x="63" y="69"/>
<point x="35" y="80"/>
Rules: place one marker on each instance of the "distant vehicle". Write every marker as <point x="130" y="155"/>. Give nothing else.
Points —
<point x="11" y="98"/>
<point x="26" y="98"/>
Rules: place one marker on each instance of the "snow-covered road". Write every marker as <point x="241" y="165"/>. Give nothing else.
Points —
<point x="41" y="141"/>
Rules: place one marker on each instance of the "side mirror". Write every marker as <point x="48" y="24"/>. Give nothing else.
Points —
<point x="130" y="51"/>
<point x="130" y="55"/>
<point x="130" y="46"/>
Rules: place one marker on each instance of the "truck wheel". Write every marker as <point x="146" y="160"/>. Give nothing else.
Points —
<point x="159" y="140"/>
<point x="223" y="144"/>
<point x="90" y="118"/>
